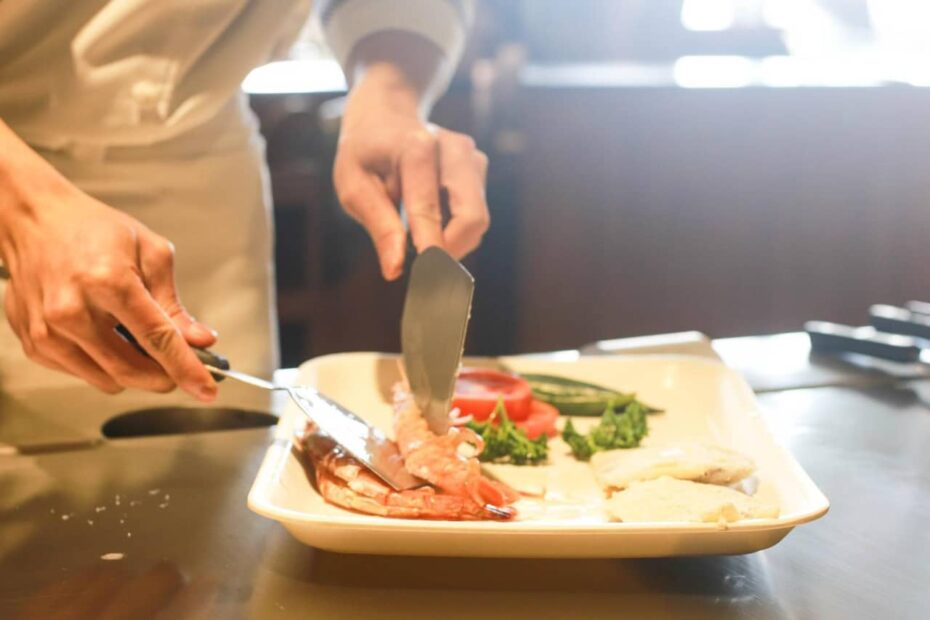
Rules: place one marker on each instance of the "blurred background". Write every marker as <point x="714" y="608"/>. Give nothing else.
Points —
<point x="730" y="166"/>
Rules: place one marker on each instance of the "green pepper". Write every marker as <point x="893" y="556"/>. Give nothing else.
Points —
<point x="573" y="397"/>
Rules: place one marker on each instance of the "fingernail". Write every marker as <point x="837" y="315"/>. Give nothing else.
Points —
<point x="202" y="331"/>
<point x="389" y="273"/>
<point x="206" y="392"/>
<point x="391" y="265"/>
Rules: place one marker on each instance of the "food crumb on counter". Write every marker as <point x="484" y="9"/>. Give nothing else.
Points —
<point x="112" y="556"/>
<point x="154" y="491"/>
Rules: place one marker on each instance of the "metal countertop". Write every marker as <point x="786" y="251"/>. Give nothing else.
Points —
<point x="170" y="513"/>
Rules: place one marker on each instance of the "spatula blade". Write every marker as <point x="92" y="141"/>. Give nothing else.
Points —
<point x="356" y="436"/>
<point x="436" y="312"/>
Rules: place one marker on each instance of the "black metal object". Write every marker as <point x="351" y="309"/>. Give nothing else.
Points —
<point x="896" y="320"/>
<point x="836" y="338"/>
<point x="183" y="420"/>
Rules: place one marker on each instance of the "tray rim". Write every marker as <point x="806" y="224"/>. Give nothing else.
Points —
<point x="279" y="452"/>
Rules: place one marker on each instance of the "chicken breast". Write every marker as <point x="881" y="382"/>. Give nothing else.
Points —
<point x="668" y="499"/>
<point x="617" y="469"/>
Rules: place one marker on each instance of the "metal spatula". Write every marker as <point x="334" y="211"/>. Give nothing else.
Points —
<point x="363" y="441"/>
<point x="436" y="313"/>
<point x="359" y="438"/>
<point x="356" y="436"/>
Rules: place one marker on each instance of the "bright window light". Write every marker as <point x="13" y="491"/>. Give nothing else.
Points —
<point x="708" y="15"/>
<point x="782" y="14"/>
<point x="296" y="76"/>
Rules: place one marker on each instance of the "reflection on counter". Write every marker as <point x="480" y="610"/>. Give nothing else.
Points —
<point x="110" y="590"/>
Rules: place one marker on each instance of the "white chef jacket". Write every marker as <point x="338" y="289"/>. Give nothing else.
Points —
<point x="138" y="103"/>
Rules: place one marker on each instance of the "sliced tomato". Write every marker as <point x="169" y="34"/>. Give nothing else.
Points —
<point x="541" y="420"/>
<point x="477" y="391"/>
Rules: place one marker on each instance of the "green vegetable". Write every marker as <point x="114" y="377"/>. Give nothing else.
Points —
<point x="623" y="425"/>
<point x="572" y="397"/>
<point x="581" y="445"/>
<point x="505" y="443"/>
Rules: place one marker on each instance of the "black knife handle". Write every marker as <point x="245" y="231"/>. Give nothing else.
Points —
<point x="205" y="356"/>
<point x="835" y="338"/>
<point x="896" y="320"/>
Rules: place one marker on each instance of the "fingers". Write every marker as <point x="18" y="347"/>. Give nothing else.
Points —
<point x="63" y="332"/>
<point x="419" y="182"/>
<point x="370" y="178"/>
<point x="364" y="197"/>
<point x="463" y="170"/>
<point x="156" y="259"/>
<point x="94" y="333"/>
<point x="125" y="297"/>
<point x="44" y="345"/>
<point x="65" y="355"/>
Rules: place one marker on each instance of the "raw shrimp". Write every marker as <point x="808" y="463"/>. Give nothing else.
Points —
<point x="343" y="481"/>
<point x="437" y="459"/>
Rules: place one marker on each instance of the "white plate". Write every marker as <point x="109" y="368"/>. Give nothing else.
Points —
<point x="703" y="400"/>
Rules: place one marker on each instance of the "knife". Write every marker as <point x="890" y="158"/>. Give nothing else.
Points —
<point x="363" y="441"/>
<point x="432" y="334"/>
<point x="834" y="338"/>
<point x="895" y="320"/>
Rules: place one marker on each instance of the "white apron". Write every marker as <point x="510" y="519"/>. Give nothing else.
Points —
<point x="137" y="102"/>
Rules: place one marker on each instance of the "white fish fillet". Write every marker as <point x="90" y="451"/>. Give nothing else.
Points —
<point x="617" y="469"/>
<point x="668" y="499"/>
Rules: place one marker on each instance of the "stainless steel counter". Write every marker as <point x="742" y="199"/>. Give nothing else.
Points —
<point x="133" y="527"/>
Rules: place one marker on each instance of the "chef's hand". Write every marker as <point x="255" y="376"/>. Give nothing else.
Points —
<point x="77" y="269"/>
<point x="388" y="154"/>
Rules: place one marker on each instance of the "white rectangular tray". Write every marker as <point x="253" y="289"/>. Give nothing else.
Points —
<point x="703" y="400"/>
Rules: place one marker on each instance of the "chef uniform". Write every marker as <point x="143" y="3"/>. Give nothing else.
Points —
<point x="138" y="103"/>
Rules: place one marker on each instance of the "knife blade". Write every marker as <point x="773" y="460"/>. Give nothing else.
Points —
<point x="437" y="308"/>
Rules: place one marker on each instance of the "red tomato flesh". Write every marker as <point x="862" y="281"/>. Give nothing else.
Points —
<point x="477" y="391"/>
<point x="541" y="420"/>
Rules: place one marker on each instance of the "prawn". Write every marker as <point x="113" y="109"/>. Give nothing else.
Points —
<point x="343" y="481"/>
<point x="438" y="460"/>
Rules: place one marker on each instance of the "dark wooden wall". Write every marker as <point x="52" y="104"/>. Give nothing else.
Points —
<point x="735" y="211"/>
<point x="620" y="211"/>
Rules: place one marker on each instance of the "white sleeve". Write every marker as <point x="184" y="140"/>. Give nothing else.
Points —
<point x="444" y="22"/>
